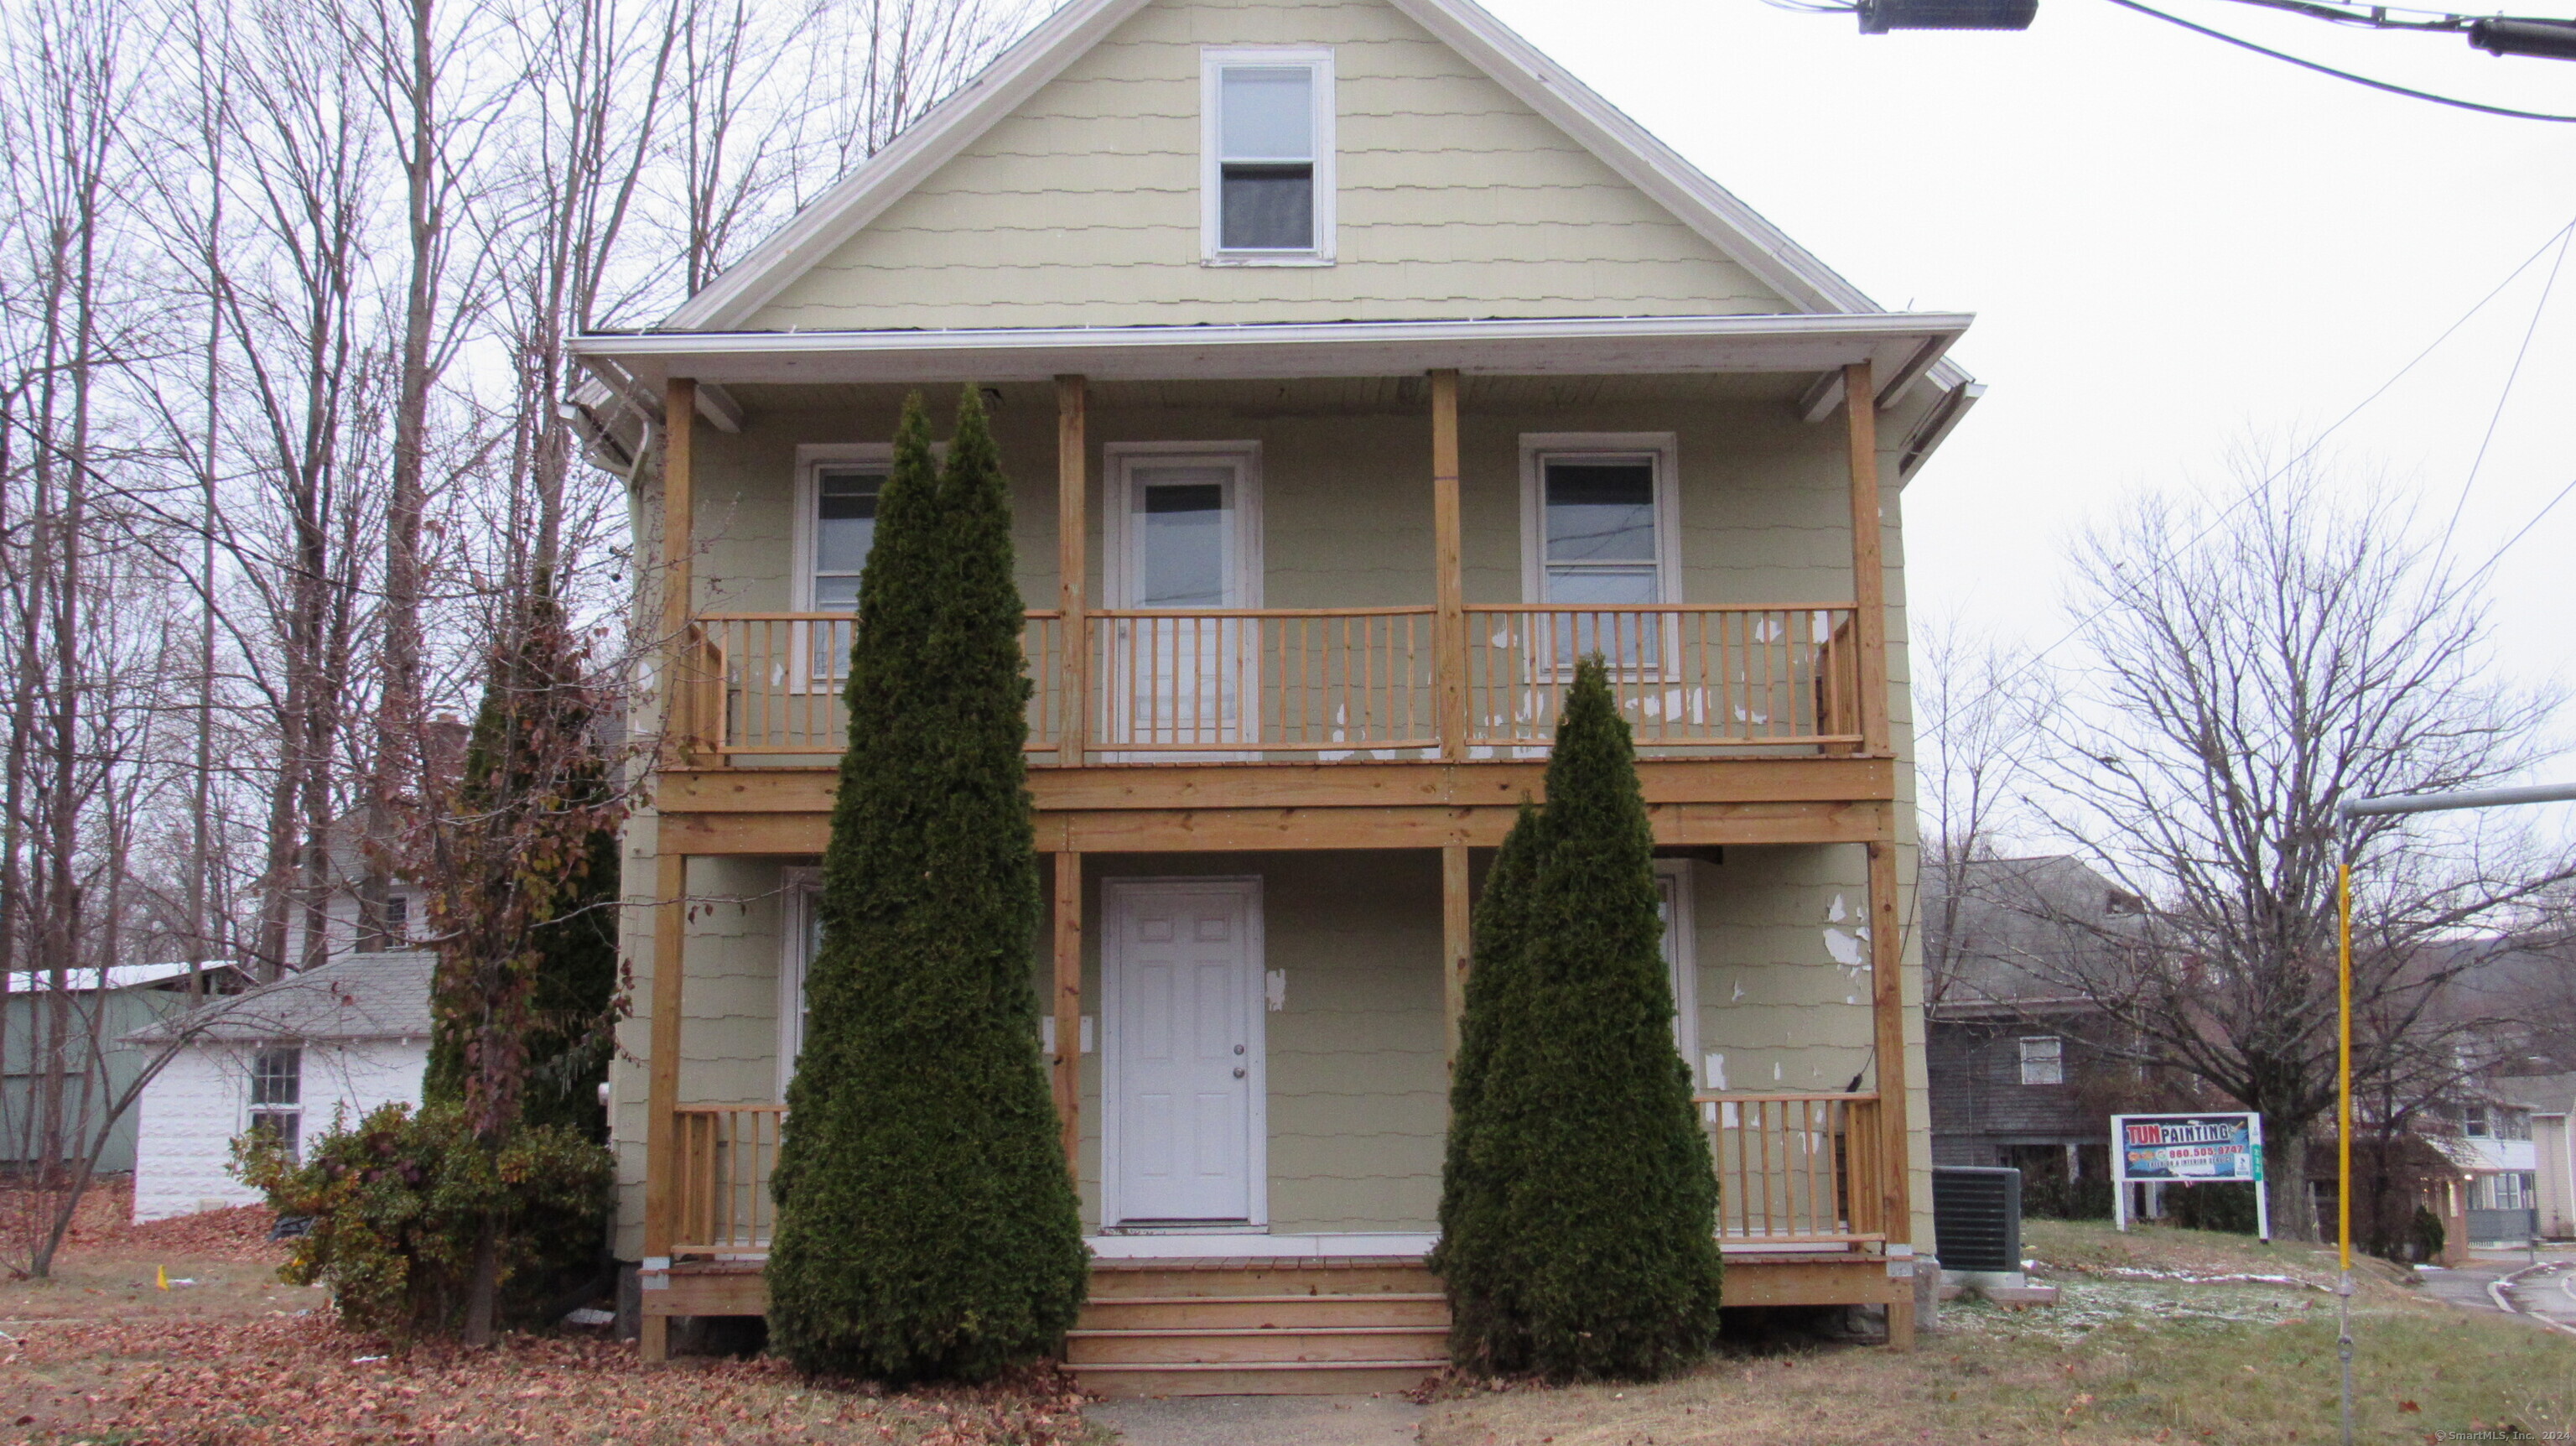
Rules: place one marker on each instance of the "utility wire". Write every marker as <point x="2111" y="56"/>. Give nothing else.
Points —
<point x="2556" y="238"/>
<point x="2461" y="503"/>
<point x="2323" y="69"/>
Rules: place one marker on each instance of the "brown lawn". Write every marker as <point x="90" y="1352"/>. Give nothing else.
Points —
<point x="101" y="1353"/>
<point x="2124" y="1358"/>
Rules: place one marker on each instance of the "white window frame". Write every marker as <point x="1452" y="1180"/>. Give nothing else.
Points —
<point x="2023" y="1059"/>
<point x="800" y="893"/>
<point x="1118" y="459"/>
<point x="1675" y="880"/>
<point x="1540" y="448"/>
<point x="1212" y="61"/>
<point x="811" y="459"/>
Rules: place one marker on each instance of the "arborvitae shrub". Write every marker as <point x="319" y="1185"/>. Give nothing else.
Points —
<point x="1486" y="1333"/>
<point x="927" y="1227"/>
<point x="1608" y="1228"/>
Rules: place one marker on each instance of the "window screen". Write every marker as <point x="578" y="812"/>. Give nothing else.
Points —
<point x="2043" y="1061"/>
<point x="1600" y="531"/>
<point x="1266" y="158"/>
<point x="845" y="527"/>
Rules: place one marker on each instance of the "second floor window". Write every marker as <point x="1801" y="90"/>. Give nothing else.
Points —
<point x="1268" y="168"/>
<point x="2043" y="1060"/>
<point x="845" y="527"/>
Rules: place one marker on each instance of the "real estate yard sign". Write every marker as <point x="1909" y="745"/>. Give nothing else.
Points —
<point x="2188" y="1150"/>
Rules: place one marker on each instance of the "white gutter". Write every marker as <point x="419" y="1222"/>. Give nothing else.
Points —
<point x="1909" y="341"/>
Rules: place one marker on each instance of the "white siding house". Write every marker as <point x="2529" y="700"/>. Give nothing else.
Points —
<point x="294" y="1056"/>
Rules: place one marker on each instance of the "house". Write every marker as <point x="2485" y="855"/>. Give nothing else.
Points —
<point x="2545" y="1103"/>
<point x="2015" y="1069"/>
<point x="75" y="1085"/>
<point x="1358" y="369"/>
<point x="346" y="879"/>
<point x="292" y="1058"/>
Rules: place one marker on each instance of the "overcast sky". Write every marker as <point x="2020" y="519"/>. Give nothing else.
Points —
<point x="2171" y="245"/>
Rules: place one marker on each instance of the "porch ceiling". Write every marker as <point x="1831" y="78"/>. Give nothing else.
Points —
<point x="1900" y="345"/>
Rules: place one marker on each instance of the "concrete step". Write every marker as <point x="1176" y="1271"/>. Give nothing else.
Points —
<point x="1255" y="1346"/>
<point x="1278" y="1378"/>
<point x="1170" y="1312"/>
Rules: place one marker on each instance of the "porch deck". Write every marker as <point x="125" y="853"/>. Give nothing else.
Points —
<point x="1803" y="1201"/>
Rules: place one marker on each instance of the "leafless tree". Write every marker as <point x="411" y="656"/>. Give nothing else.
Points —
<point x="1977" y="703"/>
<point x="2251" y="662"/>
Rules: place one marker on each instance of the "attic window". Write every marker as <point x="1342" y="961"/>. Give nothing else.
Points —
<point x="2043" y="1060"/>
<point x="1267" y="172"/>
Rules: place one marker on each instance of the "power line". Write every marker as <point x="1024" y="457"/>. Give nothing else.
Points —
<point x="2556" y="238"/>
<point x="2504" y="395"/>
<point x="2324" y="69"/>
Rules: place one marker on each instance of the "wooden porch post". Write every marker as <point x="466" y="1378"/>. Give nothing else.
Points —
<point x="670" y="879"/>
<point x="1887" y="1011"/>
<point x="1449" y="636"/>
<point x="1455" y="953"/>
<point x="1869" y="576"/>
<point x="1068" y="1008"/>
<point x="1072" y="562"/>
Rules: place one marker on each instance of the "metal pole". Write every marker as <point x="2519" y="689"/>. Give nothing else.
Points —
<point x="2346" y="810"/>
<point x="2343" y="1119"/>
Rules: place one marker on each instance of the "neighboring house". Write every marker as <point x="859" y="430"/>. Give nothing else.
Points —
<point x="292" y="1057"/>
<point x="133" y="996"/>
<point x="2548" y="1102"/>
<point x="347" y="877"/>
<point x="2014" y="1077"/>
<point x="1358" y="369"/>
<point x="2500" y="1144"/>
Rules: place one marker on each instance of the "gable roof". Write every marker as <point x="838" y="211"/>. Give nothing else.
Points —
<point x="356" y="996"/>
<point x="1654" y="168"/>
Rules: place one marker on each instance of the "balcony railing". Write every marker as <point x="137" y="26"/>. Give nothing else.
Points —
<point x="1285" y="684"/>
<point x="1796" y="1170"/>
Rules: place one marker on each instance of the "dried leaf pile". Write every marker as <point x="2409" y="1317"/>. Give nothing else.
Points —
<point x="289" y="1380"/>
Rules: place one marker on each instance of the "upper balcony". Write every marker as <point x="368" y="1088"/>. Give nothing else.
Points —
<point x="1314" y="601"/>
<point x="1319" y="685"/>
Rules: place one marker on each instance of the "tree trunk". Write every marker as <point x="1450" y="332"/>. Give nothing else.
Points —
<point x="483" y="1288"/>
<point x="2285" y="1182"/>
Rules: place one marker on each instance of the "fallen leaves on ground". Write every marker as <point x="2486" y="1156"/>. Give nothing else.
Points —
<point x="290" y="1380"/>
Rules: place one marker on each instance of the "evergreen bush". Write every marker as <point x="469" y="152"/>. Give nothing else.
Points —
<point x="927" y="1226"/>
<point x="1485" y="1329"/>
<point x="397" y="1204"/>
<point x="1608" y="1230"/>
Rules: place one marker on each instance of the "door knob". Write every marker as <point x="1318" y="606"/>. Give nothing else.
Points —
<point x="1238" y="1071"/>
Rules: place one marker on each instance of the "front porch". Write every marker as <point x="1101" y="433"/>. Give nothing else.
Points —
<point x="1175" y="1313"/>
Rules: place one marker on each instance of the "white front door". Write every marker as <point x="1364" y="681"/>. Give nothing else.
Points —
<point x="1184" y="1125"/>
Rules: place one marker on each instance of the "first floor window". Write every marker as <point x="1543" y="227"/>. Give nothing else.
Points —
<point x="277" y="1097"/>
<point x="2043" y="1060"/>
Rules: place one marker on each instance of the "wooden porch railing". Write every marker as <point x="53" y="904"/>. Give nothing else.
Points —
<point x="776" y="681"/>
<point x="1318" y="683"/>
<point x="726" y="1154"/>
<point x="1796" y="1169"/>
<point x="1686" y="676"/>
<point x="1793" y="1170"/>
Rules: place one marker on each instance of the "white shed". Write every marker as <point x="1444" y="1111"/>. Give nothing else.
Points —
<point x="294" y="1056"/>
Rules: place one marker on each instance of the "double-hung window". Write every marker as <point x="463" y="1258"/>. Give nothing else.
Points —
<point x="277" y="1097"/>
<point x="1597" y="542"/>
<point x="836" y="524"/>
<point x="1266" y="132"/>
